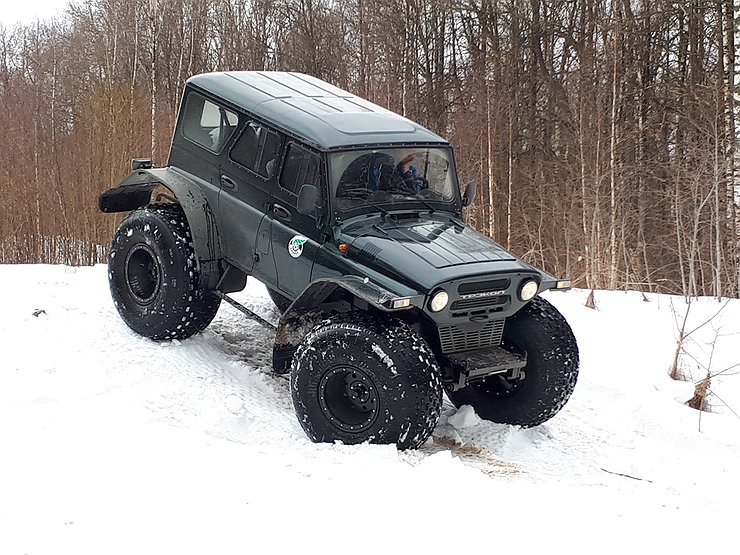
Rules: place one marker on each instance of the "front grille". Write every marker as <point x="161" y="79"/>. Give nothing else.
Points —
<point x="484" y="286"/>
<point x="479" y="302"/>
<point x="465" y="338"/>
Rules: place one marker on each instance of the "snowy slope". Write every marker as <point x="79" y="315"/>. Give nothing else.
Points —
<point x="111" y="443"/>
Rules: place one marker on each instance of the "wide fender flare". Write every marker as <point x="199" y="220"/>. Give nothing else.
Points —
<point x="135" y="191"/>
<point x="312" y="306"/>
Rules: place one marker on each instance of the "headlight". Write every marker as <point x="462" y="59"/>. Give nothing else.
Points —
<point x="528" y="289"/>
<point x="439" y="301"/>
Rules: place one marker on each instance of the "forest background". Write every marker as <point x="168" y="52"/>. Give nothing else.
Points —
<point x="603" y="134"/>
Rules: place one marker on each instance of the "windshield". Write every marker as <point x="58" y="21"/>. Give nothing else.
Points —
<point x="393" y="178"/>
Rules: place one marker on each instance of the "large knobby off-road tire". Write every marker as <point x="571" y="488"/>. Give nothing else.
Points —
<point x="153" y="275"/>
<point x="550" y="375"/>
<point x="366" y="380"/>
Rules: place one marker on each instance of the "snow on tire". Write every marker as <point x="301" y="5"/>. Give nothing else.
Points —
<point x="153" y="275"/>
<point x="366" y="380"/>
<point x="549" y="377"/>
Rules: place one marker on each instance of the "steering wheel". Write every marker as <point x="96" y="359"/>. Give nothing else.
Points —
<point x="414" y="185"/>
<point x="419" y="183"/>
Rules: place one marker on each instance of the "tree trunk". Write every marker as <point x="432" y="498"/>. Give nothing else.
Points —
<point x="153" y="15"/>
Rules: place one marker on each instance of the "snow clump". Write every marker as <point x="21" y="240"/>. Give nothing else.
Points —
<point x="465" y="417"/>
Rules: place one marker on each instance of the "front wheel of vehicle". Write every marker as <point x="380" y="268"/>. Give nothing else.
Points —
<point x="368" y="380"/>
<point x="153" y="275"/>
<point x="549" y="377"/>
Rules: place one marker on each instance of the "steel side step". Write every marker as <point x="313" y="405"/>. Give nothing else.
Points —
<point x="493" y="360"/>
<point x="244" y="310"/>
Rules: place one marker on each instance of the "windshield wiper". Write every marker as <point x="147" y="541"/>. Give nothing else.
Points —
<point x="383" y="211"/>
<point x="425" y="203"/>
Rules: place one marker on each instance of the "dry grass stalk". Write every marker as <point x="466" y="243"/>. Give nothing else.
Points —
<point x="591" y="301"/>
<point x="701" y="392"/>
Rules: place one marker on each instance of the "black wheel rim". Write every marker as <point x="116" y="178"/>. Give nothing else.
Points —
<point x="143" y="274"/>
<point x="348" y="398"/>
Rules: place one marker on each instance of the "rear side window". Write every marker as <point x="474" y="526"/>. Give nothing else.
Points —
<point x="257" y="149"/>
<point x="301" y="166"/>
<point x="207" y="123"/>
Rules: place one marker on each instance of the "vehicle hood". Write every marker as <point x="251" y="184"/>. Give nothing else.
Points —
<point x="423" y="251"/>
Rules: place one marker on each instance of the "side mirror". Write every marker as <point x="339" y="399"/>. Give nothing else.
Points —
<point x="141" y="164"/>
<point x="307" y="197"/>
<point x="469" y="195"/>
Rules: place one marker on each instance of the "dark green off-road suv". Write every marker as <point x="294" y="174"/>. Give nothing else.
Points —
<point x="351" y="216"/>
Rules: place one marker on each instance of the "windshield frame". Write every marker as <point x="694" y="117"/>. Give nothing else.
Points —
<point x="454" y="205"/>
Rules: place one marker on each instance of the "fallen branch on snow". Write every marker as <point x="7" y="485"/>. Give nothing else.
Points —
<point x="627" y="476"/>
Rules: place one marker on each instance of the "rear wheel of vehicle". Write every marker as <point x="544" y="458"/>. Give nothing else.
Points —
<point x="281" y="302"/>
<point x="153" y="275"/>
<point x="549" y="377"/>
<point x="368" y="380"/>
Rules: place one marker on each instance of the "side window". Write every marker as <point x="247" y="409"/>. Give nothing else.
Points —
<point x="301" y="166"/>
<point x="257" y="149"/>
<point x="207" y="124"/>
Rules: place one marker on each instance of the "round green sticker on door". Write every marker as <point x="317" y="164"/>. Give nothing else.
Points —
<point x="295" y="245"/>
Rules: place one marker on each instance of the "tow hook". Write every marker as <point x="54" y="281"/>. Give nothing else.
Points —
<point x="472" y="366"/>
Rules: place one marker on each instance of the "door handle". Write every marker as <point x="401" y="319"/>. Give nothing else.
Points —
<point x="227" y="182"/>
<point x="281" y="212"/>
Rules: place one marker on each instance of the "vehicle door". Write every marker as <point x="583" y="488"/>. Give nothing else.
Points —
<point x="295" y="236"/>
<point x="203" y="131"/>
<point x="248" y="175"/>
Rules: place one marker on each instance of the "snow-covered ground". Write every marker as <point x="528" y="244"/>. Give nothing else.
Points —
<point x="111" y="443"/>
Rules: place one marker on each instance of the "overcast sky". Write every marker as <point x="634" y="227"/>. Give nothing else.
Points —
<point x="27" y="11"/>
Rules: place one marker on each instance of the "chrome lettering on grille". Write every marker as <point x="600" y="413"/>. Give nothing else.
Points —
<point x="481" y="295"/>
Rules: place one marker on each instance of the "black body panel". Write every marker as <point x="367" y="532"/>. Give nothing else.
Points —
<point x="241" y="205"/>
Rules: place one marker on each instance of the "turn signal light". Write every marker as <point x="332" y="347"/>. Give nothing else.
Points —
<point x="401" y="303"/>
